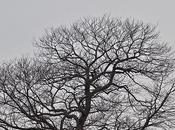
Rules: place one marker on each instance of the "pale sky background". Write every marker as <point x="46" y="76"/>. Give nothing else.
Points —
<point x="22" y="21"/>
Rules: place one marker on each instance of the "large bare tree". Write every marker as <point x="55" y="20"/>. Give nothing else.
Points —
<point x="99" y="73"/>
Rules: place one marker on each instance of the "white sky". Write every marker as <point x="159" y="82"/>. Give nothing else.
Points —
<point x="21" y="21"/>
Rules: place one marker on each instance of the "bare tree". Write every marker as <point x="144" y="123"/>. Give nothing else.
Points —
<point x="100" y="73"/>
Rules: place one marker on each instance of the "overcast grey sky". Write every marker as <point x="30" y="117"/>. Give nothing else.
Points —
<point x="21" y="21"/>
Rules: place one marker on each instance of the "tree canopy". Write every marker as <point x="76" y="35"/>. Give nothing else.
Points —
<point x="100" y="73"/>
